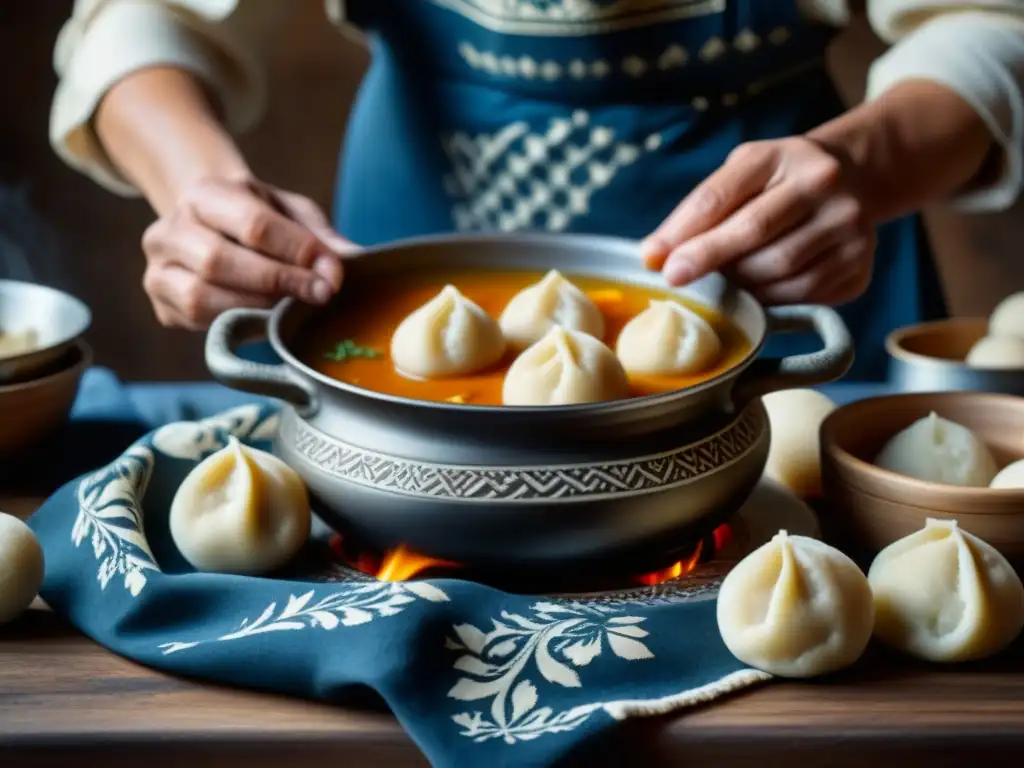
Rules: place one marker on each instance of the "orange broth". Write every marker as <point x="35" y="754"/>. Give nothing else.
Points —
<point x="368" y="317"/>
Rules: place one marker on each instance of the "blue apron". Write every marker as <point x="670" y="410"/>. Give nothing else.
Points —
<point x="591" y="116"/>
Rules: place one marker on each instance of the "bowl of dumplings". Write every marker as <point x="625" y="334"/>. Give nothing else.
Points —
<point x="962" y="354"/>
<point x="890" y="463"/>
<point x="42" y="359"/>
<point x="524" y="400"/>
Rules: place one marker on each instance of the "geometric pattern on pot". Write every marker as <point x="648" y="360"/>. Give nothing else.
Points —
<point x="568" y="481"/>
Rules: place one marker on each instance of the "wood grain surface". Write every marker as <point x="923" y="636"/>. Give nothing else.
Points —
<point x="65" y="700"/>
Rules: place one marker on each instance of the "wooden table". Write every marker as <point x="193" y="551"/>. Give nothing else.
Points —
<point x="66" y="701"/>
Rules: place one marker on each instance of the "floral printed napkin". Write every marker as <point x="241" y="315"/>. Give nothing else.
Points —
<point x="475" y="675"/>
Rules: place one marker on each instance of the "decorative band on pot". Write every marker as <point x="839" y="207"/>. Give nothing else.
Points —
<point x="584" y="481"/>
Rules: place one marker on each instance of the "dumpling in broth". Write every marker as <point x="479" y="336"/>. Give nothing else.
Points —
<point x="944" y="595"/>
<point x="564" y="368"/>
<point x="796" y="607"/>
<point x="448" y="336"/>
<point x="667" y="339"/>
<point x="940" y="451"/>
<point x="240" y="510"/>
<point x="535" y="310"/>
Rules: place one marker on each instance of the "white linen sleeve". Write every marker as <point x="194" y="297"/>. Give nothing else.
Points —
<point x="975" y="49"/>
<point x="219" y="41"/>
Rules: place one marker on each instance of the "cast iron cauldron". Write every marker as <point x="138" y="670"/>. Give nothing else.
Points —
<point x="527" y="487"/>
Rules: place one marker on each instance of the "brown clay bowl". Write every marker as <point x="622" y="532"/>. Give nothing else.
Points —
<point x="929" y="357"/>
<point x="33" y="410"/>
<point x="869" y="507"/>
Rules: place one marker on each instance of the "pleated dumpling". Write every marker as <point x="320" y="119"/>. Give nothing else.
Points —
<point x="564" y="368"/>
<point x="796" y="607"/>
<point x="667" y="339"/>
<point x="1007" y="319"/>
<point x="240" y="510"/>
<point x="943" y="594"/>
<point x="535" y="310"/>
<point x="940" y="451"/>
<point x="448" y="336"/>
<point x="995" y="352"/>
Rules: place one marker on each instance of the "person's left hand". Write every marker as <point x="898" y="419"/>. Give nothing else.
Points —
<point x="783" y="218"/>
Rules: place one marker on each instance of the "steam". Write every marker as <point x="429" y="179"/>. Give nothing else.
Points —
<point x="30" y="249"/>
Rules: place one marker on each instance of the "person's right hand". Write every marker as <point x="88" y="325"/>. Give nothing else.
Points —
<point x="239" y="244"/>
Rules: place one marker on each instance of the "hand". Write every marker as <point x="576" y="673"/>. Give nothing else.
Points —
<point x="234" y="243"/>
<point x="783" y="218"/>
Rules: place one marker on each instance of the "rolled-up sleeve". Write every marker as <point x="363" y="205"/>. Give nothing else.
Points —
<point x="974" y="49"/>
<point x="219" y="41"/>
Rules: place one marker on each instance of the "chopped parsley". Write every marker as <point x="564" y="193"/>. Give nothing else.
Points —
<point x="348" y="349"/>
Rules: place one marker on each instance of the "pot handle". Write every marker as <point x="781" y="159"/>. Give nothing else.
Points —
<point x="766" y="375"/>
<point x="236" y="326"/>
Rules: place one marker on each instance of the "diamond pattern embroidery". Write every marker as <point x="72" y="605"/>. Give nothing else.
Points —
<point x="516" y="179"/>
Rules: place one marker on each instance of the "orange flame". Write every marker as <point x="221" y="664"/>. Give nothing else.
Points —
<point x="722" y="536"/>
<point x="674" y="571"/>
<point x="401" y="564"/>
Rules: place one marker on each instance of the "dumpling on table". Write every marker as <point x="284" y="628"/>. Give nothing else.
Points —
<point x="794" y="453"/>
<point x="565" y="367"/>
<point x="942" y="594"/>
<point x="796" y="607"/>
<point x="552" y="301"/>
<point x="667" y="339"/>
<point x="940" y="451"/>
<point x="240" y="510"/>
<point x="448" y="336"/>
<point x="21" y="567"/>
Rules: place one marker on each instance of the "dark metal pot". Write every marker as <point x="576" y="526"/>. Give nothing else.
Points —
<point x="514" y="486"/>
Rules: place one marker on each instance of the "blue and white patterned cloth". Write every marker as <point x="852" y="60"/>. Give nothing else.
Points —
<point x="476" y="676"/>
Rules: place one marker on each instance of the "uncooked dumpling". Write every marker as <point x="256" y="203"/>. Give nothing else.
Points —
<point x="796" y="607"/>
<point x="667" y="339"/>
<point x="794" y="452"/>
<point x="447" y="336"/>
<point x="19" y="343"/>
<point x="21" y="567"/>
<point x="241" y="510"/>
<point x="997" y="352"/>
<point x="1007" y="319"/>
<point x="1010" y="476"/>
<point x="563" y="368"/>
<point x="940" y="451"/>
<point x="944" y="595"/>
<point x="535" y="310"/>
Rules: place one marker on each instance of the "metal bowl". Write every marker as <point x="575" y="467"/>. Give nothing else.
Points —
<point x="58" y="320"/>
<point x="929" y="357"/>
<point x="502" y="486"/>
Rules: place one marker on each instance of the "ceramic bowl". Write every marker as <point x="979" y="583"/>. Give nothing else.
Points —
<point x="872" y="507"/>
<point x="33" y="410"/>
<point x="929" y="357"/>
<point x="58" y="319"/>
<point x="514" y="486"/>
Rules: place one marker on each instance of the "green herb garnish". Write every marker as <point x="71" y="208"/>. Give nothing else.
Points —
<point x="348" y="349"/>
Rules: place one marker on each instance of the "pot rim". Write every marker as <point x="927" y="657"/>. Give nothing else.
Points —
<point x="285" y="306"/>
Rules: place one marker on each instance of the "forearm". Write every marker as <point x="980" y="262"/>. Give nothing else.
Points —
<point x="917" y="143"/>
<point x="161" y="130"/>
